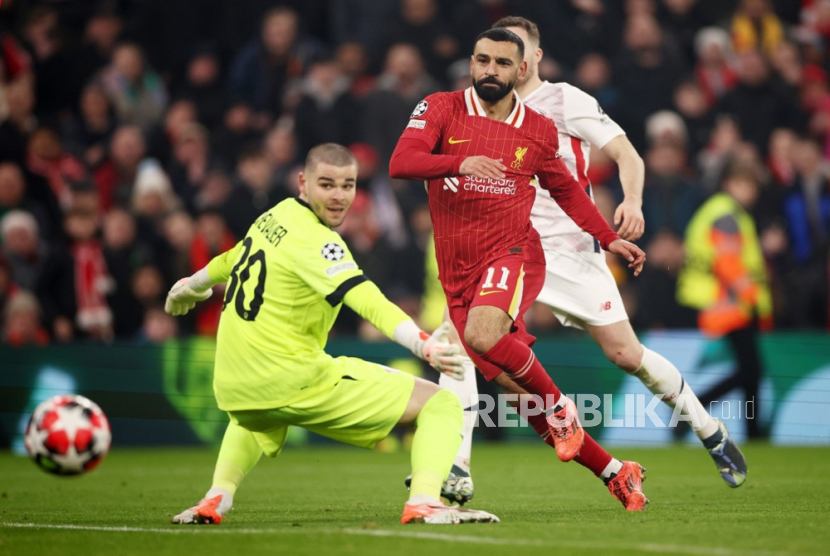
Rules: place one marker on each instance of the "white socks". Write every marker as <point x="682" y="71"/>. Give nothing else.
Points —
<point x="662" y="378"/>
<point x="467" y="392"/>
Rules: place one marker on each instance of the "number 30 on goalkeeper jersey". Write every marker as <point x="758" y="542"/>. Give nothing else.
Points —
<point x="285" y="284"/>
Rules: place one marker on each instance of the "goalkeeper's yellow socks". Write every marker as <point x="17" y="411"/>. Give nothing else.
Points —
<point x="435" y="444"/>
<point x="239" y="453"/>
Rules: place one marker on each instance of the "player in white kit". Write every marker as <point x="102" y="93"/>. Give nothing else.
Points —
<point x="579" y="287"/>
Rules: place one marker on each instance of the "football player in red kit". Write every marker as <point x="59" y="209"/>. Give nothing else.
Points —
<point x="478" y="150"/>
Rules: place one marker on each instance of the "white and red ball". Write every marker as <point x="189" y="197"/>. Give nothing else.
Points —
<point x="68" y="435"/>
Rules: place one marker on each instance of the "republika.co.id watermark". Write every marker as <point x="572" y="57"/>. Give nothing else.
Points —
<point x="627" y="410"/>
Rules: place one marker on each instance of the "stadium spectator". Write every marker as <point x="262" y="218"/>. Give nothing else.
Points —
<point x="420" y="24"/>
<point x="135" y="89"/>
<point x="147" y="286"/>
<point x="7" y="285"/>
<point x="326" y="112"/>
<point x="401" y="85"/>
<point x="56" y="83"/>
<point x="255" y="190"/>
<point x="683" y="19"/>
<point x="647" y="69"/>
<point x="19" y="122"/>
<point x="191" y="162"/>
<point x="262" y="70"/>
<point x="756" y="27"/>
<point x="123" y="253"/>
<point x="780" y="156"/>
<point x="215" y="192"/>
<point x="75" y="281"/>
<point x="152" y="196"/>
<point x="31" y="194"/>
<point x="807" y="210"/>
<point x="361" y="21"/>
<point x="236" y="132"/>
<point x="21" y="321"/>
<point x="787" y="63"/>
<point x="665" y="259"/>
<point x="212" y="237"/>
<point x="23" y="248"/>
<point x="161" y="140"/>
<point x="114" y="179"/>
<point x="593" y="75"/>
<point x="354" y="63"/>
<point x="46" y="157"/>
<point x="690" y="103"/>
<point x="179" y="230"/>
<point x="725" y="280"/>
<point x="100" y="37"/>
<point x="157" y="327"/>
<point x="757" y="103"/>
<point x="88" y="132"/>
<point x="671" y="194"/>
<point x="714" y="69"/>
<point x="203" y="85"/>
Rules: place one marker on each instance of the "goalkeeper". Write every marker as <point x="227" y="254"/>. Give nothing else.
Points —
<point x="286" y="281"/>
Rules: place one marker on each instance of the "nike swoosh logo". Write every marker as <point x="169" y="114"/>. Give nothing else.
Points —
<point x="455" y="142"/>
<point x="488" y="293"/>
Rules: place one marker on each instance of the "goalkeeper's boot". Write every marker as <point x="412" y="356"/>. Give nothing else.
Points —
<point x="210" y="510"/>
<point x="728" y="457"/>
<point x="568" y="435"/>
<point x="438" y="514"/>
<point x="457" y="488"/>
<point x="627" y="486"/>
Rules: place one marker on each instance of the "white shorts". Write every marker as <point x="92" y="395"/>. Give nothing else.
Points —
<point x="580" y="289"/>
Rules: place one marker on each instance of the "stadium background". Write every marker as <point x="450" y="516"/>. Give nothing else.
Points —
<point x="163" y="128"/>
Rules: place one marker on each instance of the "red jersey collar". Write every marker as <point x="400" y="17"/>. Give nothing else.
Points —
<point x="474" y="108"/>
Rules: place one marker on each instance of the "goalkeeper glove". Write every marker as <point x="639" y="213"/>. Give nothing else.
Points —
<point x="182" y="298"/>
<point x="444" y="357"/>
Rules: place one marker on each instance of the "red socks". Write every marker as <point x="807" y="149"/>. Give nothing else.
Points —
<point x="519" y="363"/>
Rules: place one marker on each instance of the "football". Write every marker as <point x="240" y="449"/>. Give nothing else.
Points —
<point x="68" y="435"/>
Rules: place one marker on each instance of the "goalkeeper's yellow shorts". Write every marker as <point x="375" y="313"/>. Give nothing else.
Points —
<point x="360" y="409"/>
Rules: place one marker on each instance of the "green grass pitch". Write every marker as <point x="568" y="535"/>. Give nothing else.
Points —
<point x="338" y="500"/>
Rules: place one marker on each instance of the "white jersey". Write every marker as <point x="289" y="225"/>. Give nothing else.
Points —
<point x="581" y="123"/>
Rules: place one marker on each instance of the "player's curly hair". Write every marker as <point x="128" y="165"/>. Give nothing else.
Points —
<point x="517" y="21"/>
<point x="503" y="35"/>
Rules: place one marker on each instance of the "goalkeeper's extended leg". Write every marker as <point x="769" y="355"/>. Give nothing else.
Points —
<point x="239" y="453"/>
<point x="458" y="486"/>
<point x="437" y="415"/>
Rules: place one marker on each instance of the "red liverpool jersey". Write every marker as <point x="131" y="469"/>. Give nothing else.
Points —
<point x="479" y="220"/>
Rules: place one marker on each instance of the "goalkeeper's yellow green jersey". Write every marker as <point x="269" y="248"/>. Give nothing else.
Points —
<point x="286" y="282"/>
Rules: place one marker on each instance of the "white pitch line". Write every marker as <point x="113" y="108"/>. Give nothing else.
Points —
<point x="421" y="535"/>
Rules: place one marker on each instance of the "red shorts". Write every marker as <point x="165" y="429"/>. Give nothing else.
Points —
<point x="511" y="284"/>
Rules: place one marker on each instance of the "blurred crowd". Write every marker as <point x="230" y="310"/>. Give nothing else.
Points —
<point x="140" y="138"/>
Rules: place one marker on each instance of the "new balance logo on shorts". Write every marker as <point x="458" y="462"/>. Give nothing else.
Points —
<point x="605" y="306"/>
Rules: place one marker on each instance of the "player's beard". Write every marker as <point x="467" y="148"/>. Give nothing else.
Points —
<point x="492" y="94"/>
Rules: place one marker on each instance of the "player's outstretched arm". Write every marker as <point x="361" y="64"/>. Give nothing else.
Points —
<point x="187" y="292"/>
<point x="629" y="214"/>
<point x="413" y="160"/>
<point x="368" y="301"/>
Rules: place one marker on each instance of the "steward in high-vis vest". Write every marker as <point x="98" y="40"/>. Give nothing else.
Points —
<point x="724" y="277"/>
